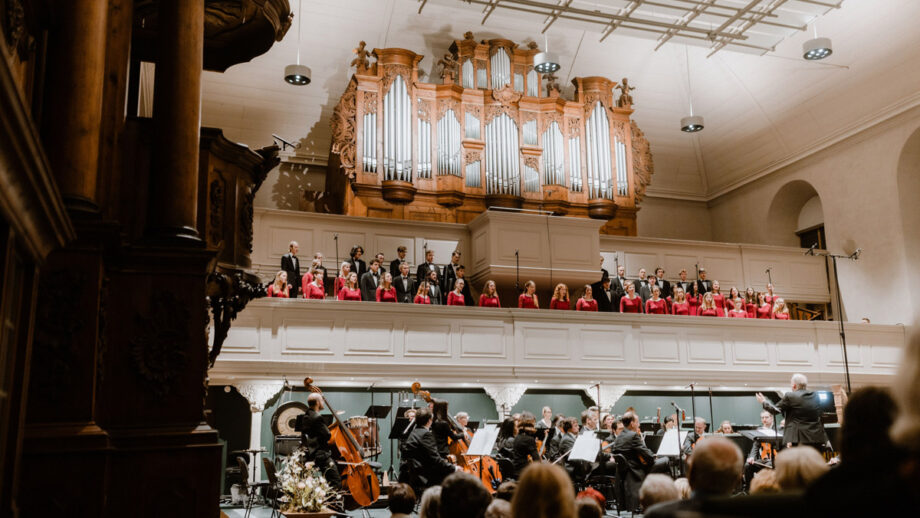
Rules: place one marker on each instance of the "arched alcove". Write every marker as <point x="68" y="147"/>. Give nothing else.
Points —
<point x="796" y="203"/>
<point x="909" y="200"/>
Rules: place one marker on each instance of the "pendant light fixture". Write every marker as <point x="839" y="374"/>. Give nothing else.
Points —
<point x="691" y="123"/>
<point x="546" y="62"/>
<point x="816" y="48"/>
<point x="295" y="73"/>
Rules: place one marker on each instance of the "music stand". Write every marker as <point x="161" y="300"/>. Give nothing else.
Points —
<point x="472" y="425"/>
<point x="764" y="435"/>
<point x="401" y="411"/>
<point x="402" y="427"/>
<point x="586" y="447"/>
<point x="377" y="411"/>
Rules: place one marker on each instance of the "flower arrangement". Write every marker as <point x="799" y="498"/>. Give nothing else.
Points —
<point x="303" y="486"/>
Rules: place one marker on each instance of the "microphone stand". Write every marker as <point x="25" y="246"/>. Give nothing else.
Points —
<point x="680" y="445"/>
<point x="517" y="271"/>
<point x="693" y="404"/>
<point x="335" y="237"/>
<point x="712" y="418"/>
<point x="770" y="275"/>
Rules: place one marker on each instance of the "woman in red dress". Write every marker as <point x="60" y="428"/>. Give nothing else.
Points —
<point x="386" y="292"/>
<point x="279" y="287"/>
<point x="769" y="296"/>
<point x="656" y="305"/>
<point x="528" y="299"/>
<point x="750" y="302"/>
<point x="730" y="301"/>
<point x="313" y="289"/>
<point x="718" y="298"/>
<point x="630" y="303"/>
<point x="350" y="291"/>
<point x="586" y="302"/>
<point x="780" y="310"/>
<point x="344" y="270"/>
<point x="764" y="309"/>
<point x="489" y="296"/>
<point x="680" y="305"/>
<point x="694" y="298"/>
<point x="455" y="297"/>
<point x="421" y="296"/>
<point x="708" y="306"/>
<point x="739" y="311"/>
<point x="560" y="298"/>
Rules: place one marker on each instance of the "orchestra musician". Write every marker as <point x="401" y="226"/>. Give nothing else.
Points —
<point x="370" y="281"/>
<point x="350" y="290"/>
<point x="421" y="296"/>
<point x="279" y="287"/>
<point x="553" y="450"/>
<point x="587" y="302"/>
<point x="524" y="447"/>
<point x="422" y="466"/>
<point x="802" y="411"/>
<point x="639" y="457"/>
<point x="400" y="258"/>
<point x="442" y="428"/>
<point x="386" y="292"/>
<point x="489" y="296"/>
<point x="405" y="286"/>
<point x="528" y="299"/>
<point x="725" y="427"/>
<point x="424" y="269"/>
<point x="630" y="303"/>
<point x="545" y="424"/>
<point x="699" y="428"/>
<point x="358" y="266"/>
<point x="291" y="265"/>
<point x="670" y="422"/>
<point x="560" y="298"/>
<point x="455" y="297"/>
<point x="505" y="441"/>
<point x="463" y="419"/>
<point x="315" y="438"/>
<point x="761" y="454"/>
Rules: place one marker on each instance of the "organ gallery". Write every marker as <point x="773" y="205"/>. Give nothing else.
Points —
<point x="493" y="133"/>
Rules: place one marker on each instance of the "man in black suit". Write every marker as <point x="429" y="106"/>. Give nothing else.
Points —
<point x="422" y="466"/>
<point x="642" y="281"/>
<point x="400" y="258"/>
<point x="663" y="285"/>
<point x="645" y="292"/>
<point x="405" y="286"/>
<point x="380" y="261"/>
<point x="467" y="292"/>
<point x="449" y="275"/>
<point x="703" y="283"/>
<point x="802" y="411"/>
<point x="291" y="264"/>
<point x="428" y="266"/>
<point x="639" y="458"/>
<point x="315" y="438"/>
<point x="699" y="428"/>
<point x="683" y="282"/>
<point x="604" y="295"/>
<point x="370" y="281"/>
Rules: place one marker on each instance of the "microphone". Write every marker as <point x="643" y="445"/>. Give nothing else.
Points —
<point x="285" y="142"/>
<point x="856" y="254"/>
<point x="811" y="249"/>
<point x="768" y="270"/>
<point x="677" y="408"/>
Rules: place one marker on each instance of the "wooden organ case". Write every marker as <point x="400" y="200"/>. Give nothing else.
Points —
<point x="495" y="133"/>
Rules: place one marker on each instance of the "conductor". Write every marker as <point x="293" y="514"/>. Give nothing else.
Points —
<point x="802" y="412"/>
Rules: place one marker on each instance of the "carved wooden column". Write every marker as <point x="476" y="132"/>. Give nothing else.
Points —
<point x="172" y="206"/>
<point x="72" y="111"/>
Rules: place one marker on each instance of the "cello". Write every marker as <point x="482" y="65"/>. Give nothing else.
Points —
<point x="357" y="475"/>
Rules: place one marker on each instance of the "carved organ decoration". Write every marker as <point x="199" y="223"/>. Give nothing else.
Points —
<point x="494" y="133"/>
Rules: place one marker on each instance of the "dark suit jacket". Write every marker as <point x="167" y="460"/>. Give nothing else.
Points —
<point x="421" y="273"/>
<point x="359" y="267"/>
<point x="630" y="445"/>
<point x="421" y="460"/>
<point x="665" y="288"/>
<point x="685" y="285"/>
<point x="803" y="417"/>
<point x="524" y="445"/>
<point x="639" y="284"/>
<point x="369" y="283"/>
<point x="467" y="294"/>
<point x="434" y="293"/>
<point x="394" y="267"/>
<point x="604" y="303"/>
<point x="645" y="293"/>
<point x="404" y="294"/>
<point x="314" y="435"/>
<point x="566" y="443"/>
<point x="293" y="272"/>
<point x="689" y="441"/>
<point x="704" y="286"/>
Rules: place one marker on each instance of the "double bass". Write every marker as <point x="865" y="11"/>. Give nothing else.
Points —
<point x="485" y="468"/>
<point x="357" y="475"/>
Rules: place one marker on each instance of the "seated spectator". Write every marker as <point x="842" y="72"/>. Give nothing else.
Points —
<point x="714" y="470"/>
<point x="798" y="467"/>
<point x="683" y="488"/>
<point x="430" y="507"/>
<point x="586" y="507"/>
<point x="656" y="489"/>
<point x="499" y="509"/>
<point x="544" y="491"/>
<point x="764" y="482"/>
<point x="401" y="500"/>
<point x="463" y="496"/>
<point x="506" y="490"/>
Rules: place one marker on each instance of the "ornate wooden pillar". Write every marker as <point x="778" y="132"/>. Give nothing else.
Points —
<point x="172" y="206"/>
<point x="72" y="112"/>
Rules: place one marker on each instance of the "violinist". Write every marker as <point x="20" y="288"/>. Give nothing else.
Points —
<point x="315" y="437"/>
<point x="639" y="458"/>
<point x="669" y="423"/>
<point x="524" y="447"/>
<point x="442" y="428"/>
<point x="545" y="425"/>
<point x="505" y="441"/>
<point x="552" y="449"/>
<point x="422" y="465"/>
<point x="760" y="455"/>
<point x="699" y="427"/>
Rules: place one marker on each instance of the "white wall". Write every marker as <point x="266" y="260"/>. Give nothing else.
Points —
<point x="674" y="219"/>
<point x="811" y="215"/>
<point x="857" y="182"/>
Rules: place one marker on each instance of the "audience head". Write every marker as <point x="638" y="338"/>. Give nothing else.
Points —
<point x="867" y="420"/>
<point x="592" y="494"/>
<point x="356" y="252"/>
<point x="506" y="490"/>
<point x="463" y="496"/>
<point x="715" y="466"/>
<point x="430" y="506"/>
<point x="544" y="491"/>
<point x="683" y="488"/>
<point x="401" y="499"/>
<point x="798" y="467"/>
<point x="587" y="507"/>
<point x="293" y="247"/>
<point x="655" y="489"/>
<point x="499" y="509"/>
<point x="764" y="482"/>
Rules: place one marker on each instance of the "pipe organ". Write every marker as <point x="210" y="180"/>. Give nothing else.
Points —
<point x="494" y="132"/>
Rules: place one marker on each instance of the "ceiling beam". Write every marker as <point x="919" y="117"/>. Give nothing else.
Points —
<point x="626" y="11"/>
<point x="691" y="15"/>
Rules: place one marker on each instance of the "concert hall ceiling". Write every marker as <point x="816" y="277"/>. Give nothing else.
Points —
<point x="761" y="112"/>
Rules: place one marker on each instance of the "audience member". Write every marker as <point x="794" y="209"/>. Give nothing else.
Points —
<point x="656" y="489"/>
<point x="544" y="491"/>
<point x="505" y="491"/>
<point x="401" y="500"/>
<point x="683" y="488"/>
<point x="764" y="482"/>
<point x="586" y="507"/>
<point x="798" y="467"/>
<point x="430" y="506"/>
<point x="499" y="509"/>
<point x="463" y="496"/>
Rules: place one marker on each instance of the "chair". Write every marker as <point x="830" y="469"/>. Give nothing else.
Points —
<point x="505" y="467"/>
<point x="619" y="484"/>
<point x="274" y="485"/>
<point x="251" y="489"/>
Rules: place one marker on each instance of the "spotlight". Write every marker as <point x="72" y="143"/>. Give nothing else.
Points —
<point x="297" y="74"/>
<point x="817" y="48"/>
<point x="691" y="124"/>
<point x="546" y="62"/>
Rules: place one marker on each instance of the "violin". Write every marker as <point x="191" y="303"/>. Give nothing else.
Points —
<point x="357" y="476"/>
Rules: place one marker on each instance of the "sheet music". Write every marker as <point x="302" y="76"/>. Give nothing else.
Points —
<point x="483" y="440"/>
<point x="669" y="443"/>
<point x="586" y="447"/>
